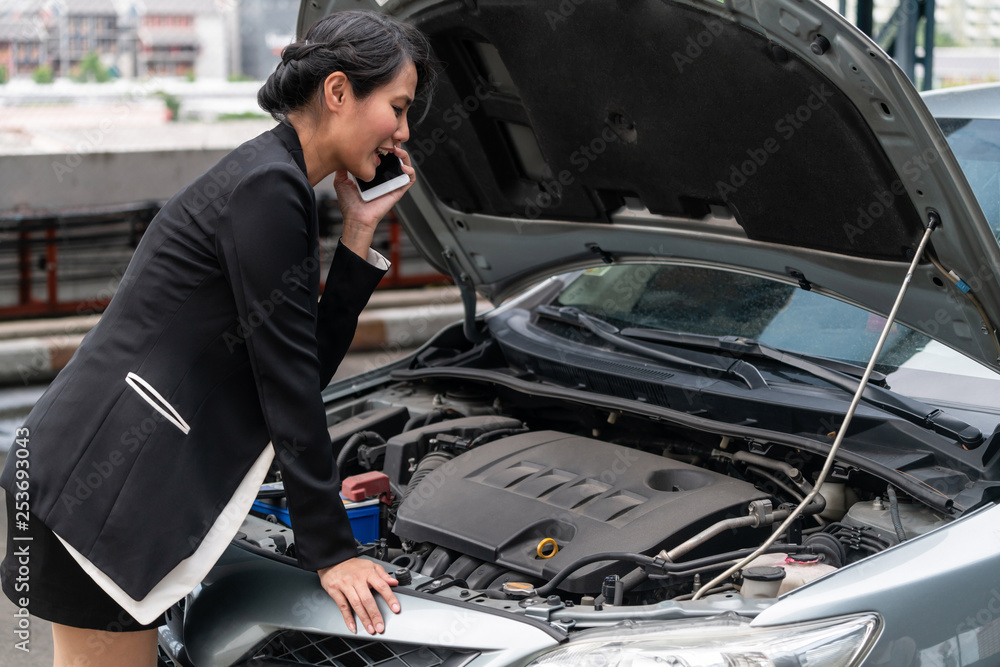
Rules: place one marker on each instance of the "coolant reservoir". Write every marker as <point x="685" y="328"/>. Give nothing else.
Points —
<point x="916" y="519"/>
<point x="797" y="572"/>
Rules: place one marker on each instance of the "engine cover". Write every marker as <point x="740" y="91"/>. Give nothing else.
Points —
<point x="498" y="501"/>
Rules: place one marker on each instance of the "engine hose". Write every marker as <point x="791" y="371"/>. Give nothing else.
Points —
<point x="350" y="448"/>
<point x="719" y="561"/>
<point x="633" y="579"/>
<point x="490" y="435"/>
<point x="817" y="505"/>
<point x="790" y="471"/>
<point x="548" y="588"/>
<point x="669" y="568"/>
<point x="760" y="472"/>
<point x="897" y="523"/>
<point x="435" y="415"/>
<point x="428" y="464"/>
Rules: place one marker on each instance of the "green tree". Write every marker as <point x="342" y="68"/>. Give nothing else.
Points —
<point x="943" y="38"/>
<point x="92" y="69"/>
<point x="43" y="74"/>
<point x="172" y="102"/>
<point x="3" y="75"/>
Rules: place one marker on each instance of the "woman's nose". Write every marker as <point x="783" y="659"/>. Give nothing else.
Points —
<point x="402" y="131"/>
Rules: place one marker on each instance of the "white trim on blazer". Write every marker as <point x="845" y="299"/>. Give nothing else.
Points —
<point x="163" y="407"/>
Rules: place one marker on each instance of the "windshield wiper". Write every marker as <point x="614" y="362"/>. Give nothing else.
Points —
<point x="741" y="345"/>
<point x="836" y="373"/>
<point x="609" y="333"/>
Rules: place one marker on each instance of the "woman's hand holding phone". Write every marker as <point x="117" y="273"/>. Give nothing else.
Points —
<point x="360" y="216"/>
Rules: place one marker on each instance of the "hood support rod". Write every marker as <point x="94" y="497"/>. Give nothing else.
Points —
<point x="933" y="221"/>
<point x="468" y="292"/>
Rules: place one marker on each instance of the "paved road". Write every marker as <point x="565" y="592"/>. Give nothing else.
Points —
<point x="40" y="644"/>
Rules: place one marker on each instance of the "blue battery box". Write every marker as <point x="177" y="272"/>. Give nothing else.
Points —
<point x="363" y="516"/>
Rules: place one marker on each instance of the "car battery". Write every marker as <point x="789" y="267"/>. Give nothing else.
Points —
<point x="363" y="515"/>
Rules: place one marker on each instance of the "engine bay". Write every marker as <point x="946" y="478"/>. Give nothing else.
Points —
<point x="506" y="495"/>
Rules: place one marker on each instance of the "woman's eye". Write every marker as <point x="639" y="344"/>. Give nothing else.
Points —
<point x="398" y="111"/>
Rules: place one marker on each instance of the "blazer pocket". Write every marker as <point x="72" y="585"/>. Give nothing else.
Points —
<point x="160" y="404"/>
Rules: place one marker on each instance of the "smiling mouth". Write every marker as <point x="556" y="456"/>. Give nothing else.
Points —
<point x="379" y="153"/>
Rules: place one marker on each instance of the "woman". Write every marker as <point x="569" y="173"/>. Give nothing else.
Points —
<point x="143" y="456"/>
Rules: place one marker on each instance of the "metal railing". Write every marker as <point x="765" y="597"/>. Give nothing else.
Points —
<point x="70" y="262"/>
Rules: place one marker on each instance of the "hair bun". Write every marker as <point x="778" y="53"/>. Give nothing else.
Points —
<point x="299" y="50"/>
<point x="369" y="48"/>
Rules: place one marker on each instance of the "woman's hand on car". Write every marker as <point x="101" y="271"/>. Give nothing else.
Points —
<point x="350" y="584"/>
<point x="361" y="217"/>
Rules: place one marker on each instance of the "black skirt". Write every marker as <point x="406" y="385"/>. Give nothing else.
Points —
<point x="42" y="576"/>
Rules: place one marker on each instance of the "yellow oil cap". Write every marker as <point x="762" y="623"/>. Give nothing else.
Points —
<point x="541" y="548"/>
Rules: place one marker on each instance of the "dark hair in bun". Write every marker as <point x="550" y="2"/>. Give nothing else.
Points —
<point x="369" y="48"/>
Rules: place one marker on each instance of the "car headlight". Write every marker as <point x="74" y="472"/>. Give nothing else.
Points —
<point x="721" y="641"/>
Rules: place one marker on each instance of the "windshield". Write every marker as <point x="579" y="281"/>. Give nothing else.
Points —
<point x="720" y="303"/>
<point x="715" y="302"/>
<point x="976" y="144"/>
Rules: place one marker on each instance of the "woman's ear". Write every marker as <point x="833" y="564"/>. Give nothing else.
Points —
<point x="336" y="91"/>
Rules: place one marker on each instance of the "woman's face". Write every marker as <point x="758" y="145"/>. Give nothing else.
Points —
<point x="376" y="123"/>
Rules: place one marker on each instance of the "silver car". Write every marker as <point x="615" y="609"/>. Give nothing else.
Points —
<point x="739" y="402"/>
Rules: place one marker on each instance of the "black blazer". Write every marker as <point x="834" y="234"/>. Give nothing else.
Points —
<point x="217" y="320"/>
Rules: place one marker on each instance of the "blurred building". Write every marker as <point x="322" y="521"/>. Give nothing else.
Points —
<point x="78" y="28"/>
<point x="969" y="22"/>
<point x="181" y="37"/>
<point x="972" y="23"/>
<point x="23" y="45"/>
<point x="134" y="37"/>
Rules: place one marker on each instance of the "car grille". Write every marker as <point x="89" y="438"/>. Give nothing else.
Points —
<point x="300" y="648"/>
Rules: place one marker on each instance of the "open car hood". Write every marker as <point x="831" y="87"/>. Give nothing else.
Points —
<point x="770" y="136"/>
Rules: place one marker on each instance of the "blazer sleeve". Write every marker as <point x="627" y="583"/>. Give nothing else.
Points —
<point x="263" y="244"/>
<point x="349" y="284"/>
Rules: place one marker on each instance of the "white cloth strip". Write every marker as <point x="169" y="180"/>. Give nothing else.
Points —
<point x="172" y="416"/>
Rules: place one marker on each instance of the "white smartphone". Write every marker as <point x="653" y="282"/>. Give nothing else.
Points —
<point x="388" y="176"/>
